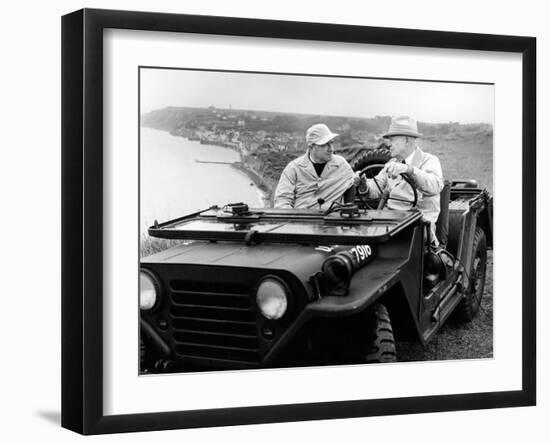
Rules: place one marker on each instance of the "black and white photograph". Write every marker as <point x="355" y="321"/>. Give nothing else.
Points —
<point x="290" y="220"/>
<point x="273" y="222"/>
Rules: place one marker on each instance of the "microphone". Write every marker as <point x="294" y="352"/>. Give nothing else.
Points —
<point x="320" y="201"/>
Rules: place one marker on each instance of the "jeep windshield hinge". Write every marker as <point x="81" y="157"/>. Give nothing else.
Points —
<point x="251" y="238"/>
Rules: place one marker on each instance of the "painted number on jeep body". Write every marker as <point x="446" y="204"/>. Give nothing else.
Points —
<point x="361" y="252"/>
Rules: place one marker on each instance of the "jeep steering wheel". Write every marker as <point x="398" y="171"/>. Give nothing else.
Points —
<point x="385" y="194"/>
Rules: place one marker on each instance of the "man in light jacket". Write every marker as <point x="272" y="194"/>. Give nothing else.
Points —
<point x="318" y="178"/>
<point x="407" y="158"/>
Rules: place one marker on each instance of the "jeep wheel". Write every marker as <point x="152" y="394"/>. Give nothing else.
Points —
<point x="468" y="306"/>
<point x="372" y="157"/>
<point x="380" y="344"/>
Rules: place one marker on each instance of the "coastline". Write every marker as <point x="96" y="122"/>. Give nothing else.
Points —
<point x="265" y="188"/>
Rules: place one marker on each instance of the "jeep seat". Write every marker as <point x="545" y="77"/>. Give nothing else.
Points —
<point x="442" y="224"/>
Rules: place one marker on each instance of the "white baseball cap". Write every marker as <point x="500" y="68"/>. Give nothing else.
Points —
<point x="319" y="134"/>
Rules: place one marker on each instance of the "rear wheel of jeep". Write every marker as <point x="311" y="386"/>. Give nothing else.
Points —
<point x="469" y="306"/>
<point x="380" y="341"/>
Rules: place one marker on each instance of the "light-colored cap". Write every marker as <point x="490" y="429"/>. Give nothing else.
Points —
<point x="403" y="125"/>
<point x="319" y="134"/>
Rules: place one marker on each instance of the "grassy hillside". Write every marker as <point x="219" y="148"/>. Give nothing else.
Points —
<point x="464" y="155"/>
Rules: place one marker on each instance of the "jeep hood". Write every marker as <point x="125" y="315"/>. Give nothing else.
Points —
<point x="298" y="259"/>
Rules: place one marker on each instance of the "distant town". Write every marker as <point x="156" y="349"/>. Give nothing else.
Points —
<point x="267" y="141"/>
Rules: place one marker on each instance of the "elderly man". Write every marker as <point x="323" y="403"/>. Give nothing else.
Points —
<point x="317" y="178"/>
<point x="423" y="169"/>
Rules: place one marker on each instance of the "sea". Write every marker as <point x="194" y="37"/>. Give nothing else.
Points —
<point x="174" y="182"/>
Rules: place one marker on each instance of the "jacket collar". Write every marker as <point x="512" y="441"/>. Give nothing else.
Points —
<point x="417" y="158"/>
<point x="305" y="162"/>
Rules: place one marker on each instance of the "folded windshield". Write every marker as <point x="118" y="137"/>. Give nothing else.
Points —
<point x="287" y="226"/>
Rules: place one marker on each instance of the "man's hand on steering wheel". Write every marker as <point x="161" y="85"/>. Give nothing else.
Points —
<point x="393" y="169"/>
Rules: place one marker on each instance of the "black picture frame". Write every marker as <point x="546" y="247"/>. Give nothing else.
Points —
<point x="82" y="218"/>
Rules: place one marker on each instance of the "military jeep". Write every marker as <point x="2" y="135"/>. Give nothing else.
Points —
<point x="255" y="288"/>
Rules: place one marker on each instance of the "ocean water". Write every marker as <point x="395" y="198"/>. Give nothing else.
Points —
<point x="173" y="184"/>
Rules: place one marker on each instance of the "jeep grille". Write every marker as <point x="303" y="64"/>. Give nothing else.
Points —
<point x="214" y="322"/>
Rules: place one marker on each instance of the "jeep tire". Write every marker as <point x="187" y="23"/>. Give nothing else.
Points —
<point x="380" y="342"/>
<point x="469" y="305"/>
<point x="371" y="157"/>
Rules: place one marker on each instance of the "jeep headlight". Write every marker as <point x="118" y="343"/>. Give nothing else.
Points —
<point x="148" y="290"/>
<point x="272" y="298"/>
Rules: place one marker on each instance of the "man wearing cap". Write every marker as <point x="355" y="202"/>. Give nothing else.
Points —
<point x="317" y="178"/>
<point x="407" y="158"/>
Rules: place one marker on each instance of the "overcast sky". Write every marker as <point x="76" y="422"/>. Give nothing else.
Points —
<point x="426" y="101"/>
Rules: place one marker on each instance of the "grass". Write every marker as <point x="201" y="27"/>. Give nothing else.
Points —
<point x="464" y="156"/>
